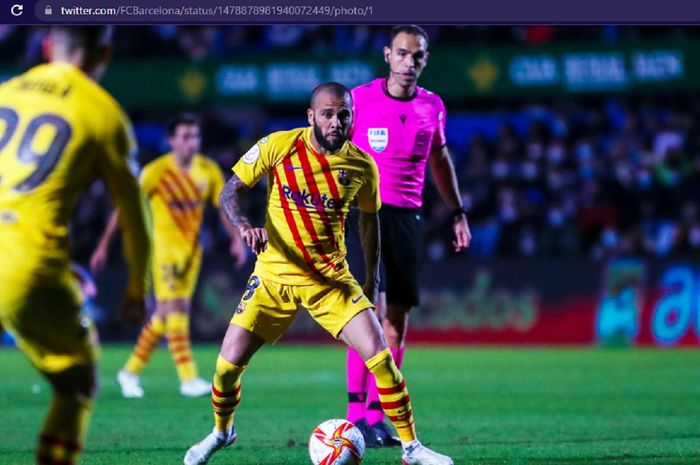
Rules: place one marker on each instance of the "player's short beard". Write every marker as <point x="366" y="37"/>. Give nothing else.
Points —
<point x="325" y="143"/>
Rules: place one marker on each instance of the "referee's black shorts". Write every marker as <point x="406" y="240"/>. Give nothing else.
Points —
<point x="401" y="243"/>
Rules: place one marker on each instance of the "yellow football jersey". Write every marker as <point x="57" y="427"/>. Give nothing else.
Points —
<point x="59" y="131"/>
<point x="308" y="198"/>
<point x="178" y="198"/>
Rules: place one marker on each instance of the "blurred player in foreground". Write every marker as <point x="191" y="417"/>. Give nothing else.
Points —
<point x="314" y="173"/>
<point x="178" y="186"/>
<point x="86" y="297"/>
<point x="402" y="126"/>
<point x="60" y="131"/>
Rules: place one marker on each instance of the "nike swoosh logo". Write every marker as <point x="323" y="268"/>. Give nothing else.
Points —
<point x="290" y="167"/>
<point x="357" y="299"/>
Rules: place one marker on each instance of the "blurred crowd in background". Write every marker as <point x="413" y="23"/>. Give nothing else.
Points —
<point x="596" y="176"/>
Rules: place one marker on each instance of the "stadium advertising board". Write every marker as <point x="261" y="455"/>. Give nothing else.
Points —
<point x="459" y="73"/>
<point x="570" y="302"/>
<point x="463" y="73"/>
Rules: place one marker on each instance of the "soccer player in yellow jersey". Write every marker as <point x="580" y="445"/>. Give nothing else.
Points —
<point x="59" y="131"/>
<point x="178" y="185"/>
<point x="313" y="174"/>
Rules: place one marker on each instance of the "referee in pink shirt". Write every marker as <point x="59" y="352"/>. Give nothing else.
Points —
<point x="402" y="126"/>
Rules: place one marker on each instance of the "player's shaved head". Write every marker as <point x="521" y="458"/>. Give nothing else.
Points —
<point x="334" y="89"/>
<point x="330" y="116"/>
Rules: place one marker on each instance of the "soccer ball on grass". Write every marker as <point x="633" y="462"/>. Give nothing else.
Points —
<point x="336" y="442"/>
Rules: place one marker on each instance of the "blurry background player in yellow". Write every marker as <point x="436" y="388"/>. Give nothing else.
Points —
<point x="178" y="185"/>
<point x="59" y="131"/>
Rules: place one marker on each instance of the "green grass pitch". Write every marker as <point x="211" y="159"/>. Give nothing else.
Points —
<point x="481" y="406"/>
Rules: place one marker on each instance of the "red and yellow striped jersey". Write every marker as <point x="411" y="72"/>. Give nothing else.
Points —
<point x="178" y="198"/>
<point x="60" y="131"/>
<point x="308" y="197"/>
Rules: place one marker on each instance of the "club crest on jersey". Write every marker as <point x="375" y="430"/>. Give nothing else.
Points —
<point x="343" y="178"/>
<point x="378" y="138"/>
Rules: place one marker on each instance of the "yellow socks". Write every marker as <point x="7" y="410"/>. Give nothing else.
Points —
<point x="177" y="328"/>
<point x="226" y="393"/>
<point x="393" y="394"/>
<point x="149" y="338"/>
<point x="62" y="435"/>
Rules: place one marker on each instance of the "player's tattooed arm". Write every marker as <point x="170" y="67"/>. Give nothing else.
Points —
<point x="370" y="239"/>
<point x="230" y="201"/>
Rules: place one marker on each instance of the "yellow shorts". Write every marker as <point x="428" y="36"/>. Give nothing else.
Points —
<point x="268" y="308"/>
<point x="175" y="275"/>
<point x="47" y="325"/>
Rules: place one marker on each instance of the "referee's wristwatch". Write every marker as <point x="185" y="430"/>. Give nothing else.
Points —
<point x="458" y="212"/>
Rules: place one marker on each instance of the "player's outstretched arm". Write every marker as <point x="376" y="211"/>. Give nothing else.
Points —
<point x="445" y="178"/>
<point x="230" y="201"/>
<point x="369" y="238"/>
<point x="98" y="260"/>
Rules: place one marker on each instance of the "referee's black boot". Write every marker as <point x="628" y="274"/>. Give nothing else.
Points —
<point x="384" y="433"/>
<point x="369" y="435"/>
